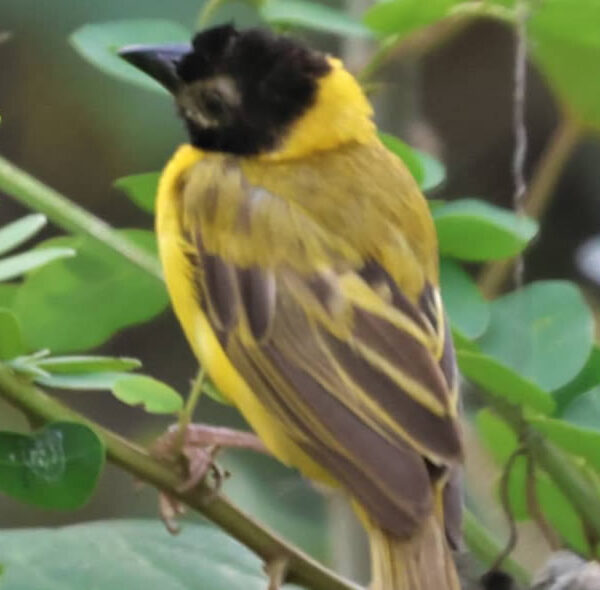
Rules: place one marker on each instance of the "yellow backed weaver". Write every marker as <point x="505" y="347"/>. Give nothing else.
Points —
<point x="302" y="264"/>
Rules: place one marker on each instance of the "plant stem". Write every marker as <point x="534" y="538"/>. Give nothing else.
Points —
<point x="486" y="549"/>
<point x="31" y="192"/>
<point x="561" y="468"/>
<point x="553" y="160"/>
<point x="187" y="413"/>
<point x="135" y="460"/>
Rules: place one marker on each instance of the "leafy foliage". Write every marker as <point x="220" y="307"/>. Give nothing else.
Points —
<point x="79" y="303"/>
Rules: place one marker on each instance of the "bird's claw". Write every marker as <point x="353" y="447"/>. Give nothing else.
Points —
<point x="276" y="569"/>
<point x="196" y="462"/>
<point x="193" y="451"/>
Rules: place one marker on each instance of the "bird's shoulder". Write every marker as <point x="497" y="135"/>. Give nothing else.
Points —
<point x="336" y="207"/>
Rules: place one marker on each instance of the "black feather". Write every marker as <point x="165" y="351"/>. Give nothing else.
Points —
<point x="275" y="75"/>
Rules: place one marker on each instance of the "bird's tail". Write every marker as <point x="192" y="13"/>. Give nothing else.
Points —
<point x="423" y="562"/>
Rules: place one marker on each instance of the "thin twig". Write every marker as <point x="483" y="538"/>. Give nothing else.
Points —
<point x="519" y="126"/>
<point x="185" y="417"/>
<point x="533" y="507"/>
<point x="544" y="179"/>
<point x="506" y="507"/>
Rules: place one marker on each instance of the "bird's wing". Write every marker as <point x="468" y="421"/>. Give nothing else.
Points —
<point x="361" y="376"/>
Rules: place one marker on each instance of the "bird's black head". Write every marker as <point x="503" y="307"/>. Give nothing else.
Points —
<point x="237" y="91"/>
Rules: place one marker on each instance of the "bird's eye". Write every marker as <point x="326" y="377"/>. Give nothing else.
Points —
<point x="213" y="102"/>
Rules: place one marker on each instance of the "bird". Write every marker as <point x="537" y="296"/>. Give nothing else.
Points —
<point x="301" y="260"/>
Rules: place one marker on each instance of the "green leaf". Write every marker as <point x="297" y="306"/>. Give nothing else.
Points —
<point x="8" y="292"/>
<point x="468" y="311"/>
<point x="103" y="381"/>
<point x="463" y="343"/>
<point x="434" y="172"/>
<point x="474" y="230"/>
<point x="128" y="555"/>
<point x="11" y="339"/>
<point x="566" y="45"/>
<point x="501" y="380"/>
<point x="587" y="378"/>
<point x="56" y="467"/>
<point x="20" y="264"/>
<point x="79" y="303"/>
<point x="545" y="332"/>
<point x="98" y="43"/>
<point x="156" y="397"/>
<point x="18" y="232"/>
<point x="498" y="438"/>
<point x="311" y="15"/>
<point x="87" y="364"/>
<point x="584" y="410"/>
<point x="583" y="442"/>
<point x="426" y="170"/>
<point x="141" y="189"/>
<point x="561" y="514"/>
<point x="402" y="17"/>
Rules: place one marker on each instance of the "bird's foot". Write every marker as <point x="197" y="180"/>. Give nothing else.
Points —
<point x="277" y="571"/>
<point x="194" y="451"/>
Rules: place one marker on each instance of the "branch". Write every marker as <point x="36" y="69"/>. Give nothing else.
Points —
<point x="135" y="460"/>
<point x="32" y="193"/>
<point x="547" y="172"/>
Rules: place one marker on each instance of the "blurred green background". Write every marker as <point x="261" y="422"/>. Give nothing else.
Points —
<point x="78" y="130"/>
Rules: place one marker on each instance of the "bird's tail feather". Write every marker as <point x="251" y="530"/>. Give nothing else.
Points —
<point x="423" y="562"/>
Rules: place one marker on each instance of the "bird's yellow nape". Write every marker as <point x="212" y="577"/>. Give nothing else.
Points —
<point x="341" y="114"/>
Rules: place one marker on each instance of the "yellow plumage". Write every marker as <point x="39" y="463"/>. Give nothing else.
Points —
<point x="305" y="279"/>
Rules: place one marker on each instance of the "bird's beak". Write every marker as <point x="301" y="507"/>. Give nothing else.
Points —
<point x="158" y="61"/>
